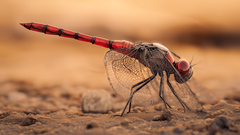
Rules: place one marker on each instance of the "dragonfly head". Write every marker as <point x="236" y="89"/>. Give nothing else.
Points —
<point x="185" y="70"/>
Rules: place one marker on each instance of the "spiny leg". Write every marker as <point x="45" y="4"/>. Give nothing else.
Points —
<point x="145" y="83"/>
<point x="132" y="90"/>
<point x="161" y="91"/>
<point x="130" y="103"/>
<point x="173" y="91"/>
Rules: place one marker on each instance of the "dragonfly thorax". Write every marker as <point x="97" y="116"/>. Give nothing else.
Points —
<point x="158" y="58"/>
<point x="182" y="66"/>
<point x="155" y="56"/>
<point x="161" y="47"/>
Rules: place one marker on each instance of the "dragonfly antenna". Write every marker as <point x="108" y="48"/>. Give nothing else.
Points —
<point x="196" y="63"/>
<point x="192" y="59"/>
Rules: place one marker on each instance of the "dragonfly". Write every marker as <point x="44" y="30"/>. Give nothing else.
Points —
<point x="134" y="70"/>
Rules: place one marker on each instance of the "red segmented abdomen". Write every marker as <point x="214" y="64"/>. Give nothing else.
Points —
<point x="120" y="45"/>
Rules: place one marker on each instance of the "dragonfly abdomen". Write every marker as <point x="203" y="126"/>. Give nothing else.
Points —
<point x="111" y="44"/>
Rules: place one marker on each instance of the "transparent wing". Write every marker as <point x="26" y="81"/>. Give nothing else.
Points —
<point x="184" y="92"/>
<point x="123" y="72"/>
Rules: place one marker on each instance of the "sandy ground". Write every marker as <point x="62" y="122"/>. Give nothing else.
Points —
<point x="45" y="79"/>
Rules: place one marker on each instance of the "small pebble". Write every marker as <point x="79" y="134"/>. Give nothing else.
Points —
<point x="93" y="124"/>
<point x="110" y="112"/>
<point x="38" y="123"/>
<point x="165" y="116"/>
<point x="136" y="110"/>
<point x="159" y="107"/>
<point x="209" y="120"/>
<point x="216" y="113"/>
<point x="3" y="115"/>
<point x="42" y="131"/>
<point x="199" y="127"/>
<point x="28" y="121"/>
<point x="125" y="122"/>
<point x="236" y="110"/>
<point x="16" y="96"/>
<point x="178" y="130"/>
<point x="139" y="109"/>
<point x="156" y="118"/>
<point x="220" y="123"/>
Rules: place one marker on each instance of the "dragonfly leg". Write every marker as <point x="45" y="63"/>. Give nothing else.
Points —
<point x="144" y="82"/>
<point x="161" y="92"/>
<point x="135" y="85"/>
<point x="129" y="109"/>
<point x="173" y="91"/>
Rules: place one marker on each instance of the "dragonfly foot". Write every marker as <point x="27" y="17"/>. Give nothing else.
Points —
<point x="116" y="115"/>
<point x="128" y="112"/>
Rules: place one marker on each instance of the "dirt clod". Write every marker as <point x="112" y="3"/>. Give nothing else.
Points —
<point x="139" y="109"/>
<point x="3" y="115"/>
<point x="198" y="127"/>
<point x="92" y="124"/>
<point x="28" y="121"/>
<point x="165" y="116"/>
<point x="159" y="107"/>
<point x="178" y="130"/>
<point x="221" y="122"/>
<point x="125" y="122"/>
<point x="156" y="118"/>
<point x="216" y="113"/>
<point x="41" y="131"/>
<point x="236" y="110"/>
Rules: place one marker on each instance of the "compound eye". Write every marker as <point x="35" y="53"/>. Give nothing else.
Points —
<point x="183" y="66"/>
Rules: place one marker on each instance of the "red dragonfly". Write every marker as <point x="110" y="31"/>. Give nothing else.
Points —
<point x="134" y="69"/>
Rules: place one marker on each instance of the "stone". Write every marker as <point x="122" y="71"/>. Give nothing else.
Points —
<point x="125" y="122"/>
<point x="159" y="107"/>
<point x="96" y="101"/>
<point x="178" y="130"/>
<point x="92" y="124"/>
<point x="156" y="118"/>
<point x="4" y="114"/>
<point x="165" y="116"/>
<point x="219" y="124"/>
<point x="197" y="126"/>
<point x="16" y="96"/>
<point x="28" y="121"/>
<point x="216" y="113"/>
<point x="139" y="109"/>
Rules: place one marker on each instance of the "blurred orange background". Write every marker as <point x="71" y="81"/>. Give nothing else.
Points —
<point x="208" y="30"/>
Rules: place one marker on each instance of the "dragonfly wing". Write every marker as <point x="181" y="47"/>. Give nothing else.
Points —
<point x="123" y="72"/>
<point x="185" y="93"/>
